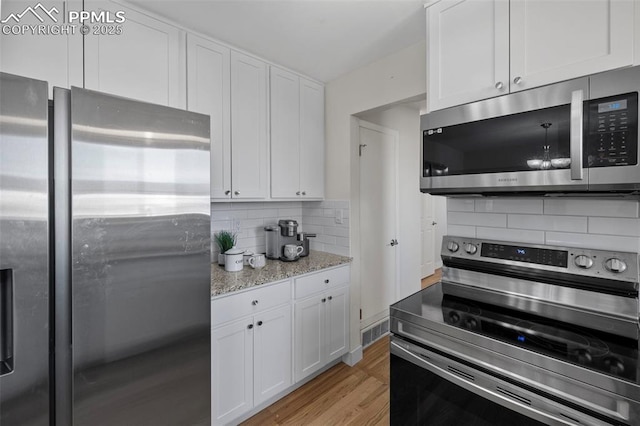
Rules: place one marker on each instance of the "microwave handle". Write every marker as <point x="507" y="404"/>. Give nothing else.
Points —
<point x="577" y="98"/>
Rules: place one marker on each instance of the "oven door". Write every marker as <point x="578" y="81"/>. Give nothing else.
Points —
<point x="434" y="388"/>
<point x="528" y="141"/>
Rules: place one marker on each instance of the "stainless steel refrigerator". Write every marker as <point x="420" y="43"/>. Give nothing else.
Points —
<point x="104" y="260"/>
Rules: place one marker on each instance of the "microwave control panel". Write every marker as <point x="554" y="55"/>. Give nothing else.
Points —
<point x="612" y="131"/>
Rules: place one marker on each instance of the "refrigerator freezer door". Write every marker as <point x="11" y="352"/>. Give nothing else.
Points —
<point x="140" y="263"/>
<point x="24" y="252"/>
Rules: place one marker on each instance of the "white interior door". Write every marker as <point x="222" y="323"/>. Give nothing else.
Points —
<point x="378" y="221"/>
<point x="427" y="236"/>
<point x="440" y="228"/>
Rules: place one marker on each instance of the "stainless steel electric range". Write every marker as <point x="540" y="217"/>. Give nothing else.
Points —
<point x="519" y="334"/>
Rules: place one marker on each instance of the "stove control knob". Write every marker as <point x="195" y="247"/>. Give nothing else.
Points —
<point x="454" y="317"/>
<point x="615" y="265"/>
<point x="470" y="248"/>
<point x="453" y="246"/>
<point x="471" y="323"/>
<point x="583" y="356"/>
<point x="614" y="365"/>
<point x="583" y="261"/>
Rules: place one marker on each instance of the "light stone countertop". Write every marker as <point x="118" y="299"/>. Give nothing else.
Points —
<point x="223" y="282"/>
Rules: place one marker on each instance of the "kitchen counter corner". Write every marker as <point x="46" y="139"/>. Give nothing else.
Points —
<point x="223" y="282"/>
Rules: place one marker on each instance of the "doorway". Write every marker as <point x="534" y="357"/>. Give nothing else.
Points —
<point x="378" y="152"/>
<point x="433" y="226"/>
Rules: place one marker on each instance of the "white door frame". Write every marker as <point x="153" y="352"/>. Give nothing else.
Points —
<point x="396" y="137"/>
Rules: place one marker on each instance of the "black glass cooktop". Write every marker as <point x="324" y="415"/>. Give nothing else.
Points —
<point x="606" y="353"/>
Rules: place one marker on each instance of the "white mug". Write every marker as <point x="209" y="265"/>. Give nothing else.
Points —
<point x="258" y="261"/>
<point x="233" y="260"/>
<point x="292" y="251"/>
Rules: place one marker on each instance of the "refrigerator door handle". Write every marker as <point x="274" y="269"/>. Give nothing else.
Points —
<point x="6" y="321"/>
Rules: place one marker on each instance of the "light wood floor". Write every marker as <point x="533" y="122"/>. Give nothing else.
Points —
<point x="343" y="395"/>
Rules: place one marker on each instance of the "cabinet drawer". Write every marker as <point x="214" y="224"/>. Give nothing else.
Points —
<point x="249" y="302"/>
<point x="320" y="281"/>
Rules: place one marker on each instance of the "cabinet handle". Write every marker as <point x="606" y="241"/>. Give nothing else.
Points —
<point x="499" y="85"/>
<point x="254" y="303"/>
<point x="517" y="80"/>
<point x="324" y="300"/>
<point x="250" y="326"/>
<point x="237" y="192"/>
<point x="259" y="323"/>
<point x="326" y="281"/>
<point x="227" y="192"/>
<point x="304" y="192"/>
<point x="298" y="193"/>
<point x="330" y="297"/>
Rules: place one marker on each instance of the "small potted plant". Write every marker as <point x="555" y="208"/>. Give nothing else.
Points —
<point x="225" y="240"/>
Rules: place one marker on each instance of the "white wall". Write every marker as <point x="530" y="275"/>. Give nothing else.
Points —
<point x="406" y="121"/>
<point x="598" y="223"/>
<point x="391" y="80"/>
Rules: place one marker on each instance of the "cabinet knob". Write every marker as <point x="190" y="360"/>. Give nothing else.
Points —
<point x="517" y="80"/>
<point x="499" y="85"/>
<point x="250" y="326"/>
<point x="326" y="281"/>
<point x="254" y="303"/>
<point x="330" y="297"/>
<point x="324" y="300"/>
<point x="227" y="192"/>
<point x="304" y="192"/>
<point x="237" y="192"/>
<point x="259" y="323"/>
<point x="298" y="193"/>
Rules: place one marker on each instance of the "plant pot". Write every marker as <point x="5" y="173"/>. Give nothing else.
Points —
<point x="221" y="259"/>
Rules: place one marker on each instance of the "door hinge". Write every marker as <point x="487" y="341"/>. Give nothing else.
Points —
<point x="360" y="314"/>
<point x="362" y="145"/>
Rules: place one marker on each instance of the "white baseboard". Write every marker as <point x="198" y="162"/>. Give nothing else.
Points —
<point x="353" y="357"/>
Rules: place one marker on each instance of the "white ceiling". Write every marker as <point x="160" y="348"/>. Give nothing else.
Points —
<point x="323" y="39"/>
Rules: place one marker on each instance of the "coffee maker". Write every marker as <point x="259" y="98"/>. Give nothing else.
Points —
<point x="278" y="236"/>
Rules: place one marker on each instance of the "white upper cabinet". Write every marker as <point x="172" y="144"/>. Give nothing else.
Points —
<point x="311" y="139"/>
<point x="558" y="40"/>
<point x="297" y="137"/>
<point x="56" y="58"/>
<point x="467" y="51"/>
<point x="145" y="62"/>
<point x="481" y="49"/>
<point x="249" y="156"/>
<point x="209" y="92"/>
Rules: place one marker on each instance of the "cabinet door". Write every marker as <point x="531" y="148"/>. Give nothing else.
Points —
<point x="558" y="40"/>
<point x="285" y="134"/>
<point x="55" y="58"/>
<point x="467" y="51"/>
<point x="311" y="139"/>
<point x="309" y="336"/>
<point x="337" y="322"/>
<point x="249" y="155"/>
<point x="231" y="370"/>
<point x="272" y="353"/>
<point x="145" y="62"/>
<point x="208" y="92"/>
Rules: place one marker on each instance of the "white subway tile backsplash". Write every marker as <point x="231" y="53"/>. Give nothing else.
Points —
<point x="478" y="219"/>
<point x="460" y="205"/>
<point x="332" y="230"/>
<point x="515" y="235"/>
<point x="510" y="205"/>
<point x="591" y="207"/>
<point x="263" y="213"/>
<point x="289" y="212"/>
<point x="614" y="226"/>
<point x="595" y="241"/>
<point x="547" y="222"/>
<point x="329" y="212"/>
<point x="461" y="230"/>
<point x="342" y="242"/>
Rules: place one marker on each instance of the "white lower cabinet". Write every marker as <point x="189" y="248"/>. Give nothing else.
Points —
<point x="250" y="355"/>
<point x="321" y="320"/>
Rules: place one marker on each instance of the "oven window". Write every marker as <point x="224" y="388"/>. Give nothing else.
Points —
<point x="420" y="397"/>
<point x="527" y="141"/>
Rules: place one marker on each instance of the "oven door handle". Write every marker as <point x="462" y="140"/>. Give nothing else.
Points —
<point x="576" y="134"/>
<point x="466" y="380"/>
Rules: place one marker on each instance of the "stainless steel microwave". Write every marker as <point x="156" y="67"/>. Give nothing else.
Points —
<point x="576" y="136"/>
